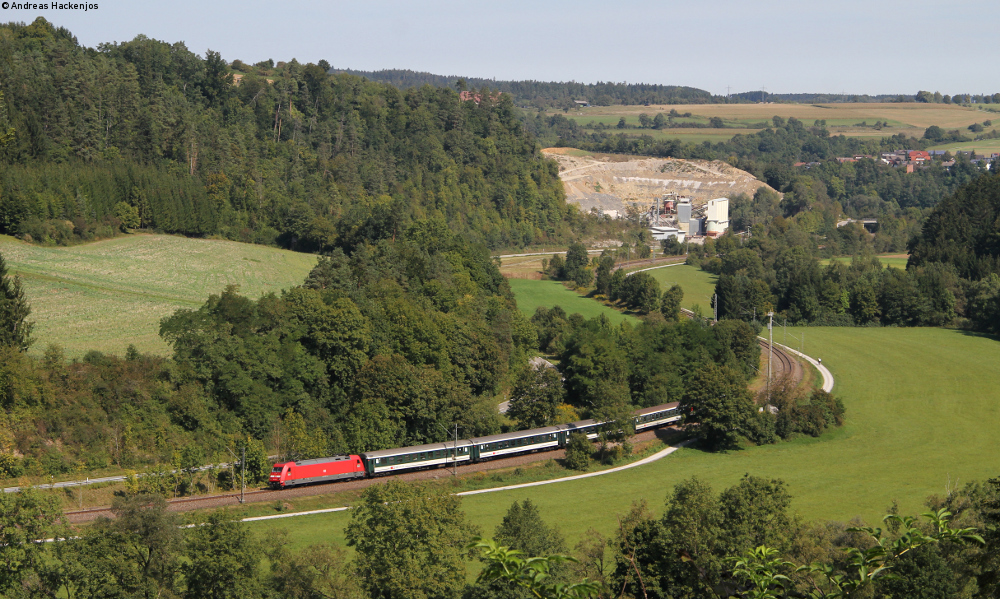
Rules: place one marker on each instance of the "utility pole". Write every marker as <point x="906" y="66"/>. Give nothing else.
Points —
<point x="243" y="485"/>
<point x="770" y="345"/>
<point x="715" y="305"/>
<point x="455" y="463"/>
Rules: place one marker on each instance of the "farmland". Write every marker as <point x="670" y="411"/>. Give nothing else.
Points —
<point x="109" y="294"/>
<point x="887" y="260"/>
<point x="532" y="294"/>
<point x="698" y="285"/>
<point x="854" y="120"/>
<point x="985" y="146"/>
<point x="910" y="432"/>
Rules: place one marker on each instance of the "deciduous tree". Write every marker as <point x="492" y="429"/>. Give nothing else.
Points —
<point x="537" y="393"/>
<point x="399" y="530"/>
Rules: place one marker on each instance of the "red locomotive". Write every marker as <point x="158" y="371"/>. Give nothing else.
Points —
<point x="341" y="467"/>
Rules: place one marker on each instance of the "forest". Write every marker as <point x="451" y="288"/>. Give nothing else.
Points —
<point x="148" y="134"/>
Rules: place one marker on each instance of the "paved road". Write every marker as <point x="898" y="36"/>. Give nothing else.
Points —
<point x="103" y="479"/>
<point x="827" y="375"/>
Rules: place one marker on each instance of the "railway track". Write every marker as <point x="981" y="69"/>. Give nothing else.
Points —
<point x="267" y="495"/>
<point x="649" y="262"/>
<point x="782" y="363"/>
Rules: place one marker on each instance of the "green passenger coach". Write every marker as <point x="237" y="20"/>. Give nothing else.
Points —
<point x="387" y="461"/>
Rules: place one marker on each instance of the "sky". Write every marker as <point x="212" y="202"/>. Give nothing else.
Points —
<point x="801" y="46"/>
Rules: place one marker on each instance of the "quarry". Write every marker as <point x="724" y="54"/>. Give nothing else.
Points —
<point x="610" y="182"/>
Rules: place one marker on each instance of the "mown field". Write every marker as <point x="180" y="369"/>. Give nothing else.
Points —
<point x="855" y="120"/>
<point x="986" y="146"/>
<point x="109" y="294"/>
<point x="887" y="260"/>
<point x="532" y="294"/>
<point x="698" y="285"/>
<point x="921" y="415"/>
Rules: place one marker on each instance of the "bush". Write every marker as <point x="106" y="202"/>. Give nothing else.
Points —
<point x="578" y="450"/>
<point x="809" y="416"/>
<point x="671" y="247"/>
<point x="10" y="466"/>
<point x="712" y="265"/>
<point x="54" y="464"/>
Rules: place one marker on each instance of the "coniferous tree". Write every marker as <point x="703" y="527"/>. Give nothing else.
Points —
<point x="15" y="329"/>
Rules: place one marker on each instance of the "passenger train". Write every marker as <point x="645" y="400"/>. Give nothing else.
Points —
<point x="453" y="453"/>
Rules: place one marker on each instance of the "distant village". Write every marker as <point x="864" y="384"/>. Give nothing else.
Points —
<point x="914" y="159"/>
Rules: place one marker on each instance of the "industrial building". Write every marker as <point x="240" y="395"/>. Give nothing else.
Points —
<point x="684" y="215"/>
<point x="661" y="233"/>
<point x="716" y="217"/>
<point x="711" y="220"/>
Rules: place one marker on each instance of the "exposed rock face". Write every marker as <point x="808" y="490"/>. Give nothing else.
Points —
<point x="608" y="182"/>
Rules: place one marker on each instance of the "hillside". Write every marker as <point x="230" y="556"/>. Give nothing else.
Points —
<point x="608" y="181"/>
<point x="106" y="295"/>
<point x="293" y="157"/>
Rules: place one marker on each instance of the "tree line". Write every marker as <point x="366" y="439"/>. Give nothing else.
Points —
<point x="548" y="94"/>
<point x="951" y="277"/>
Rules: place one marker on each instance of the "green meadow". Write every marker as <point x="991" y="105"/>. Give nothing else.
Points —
<point x="888" y="261"/>
<point x="985" y="146"/>
<point x="532" y="294"/>
<point x="698" y="285"/>
<point x="109" y="294"/>
<point x="922" y="416"/>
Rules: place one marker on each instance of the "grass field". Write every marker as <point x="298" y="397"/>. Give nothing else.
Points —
<point x="108" y="294"/>
<point x="531" y="294"/>
<point x="921" y="414"/>
<point x="888" y="261"/>
<point x="911" y="119"/>
<point x="698" y="285"/>
<point x="986" y="146"/>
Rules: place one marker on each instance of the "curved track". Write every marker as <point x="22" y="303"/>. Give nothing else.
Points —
<point x="782" y="363"/>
